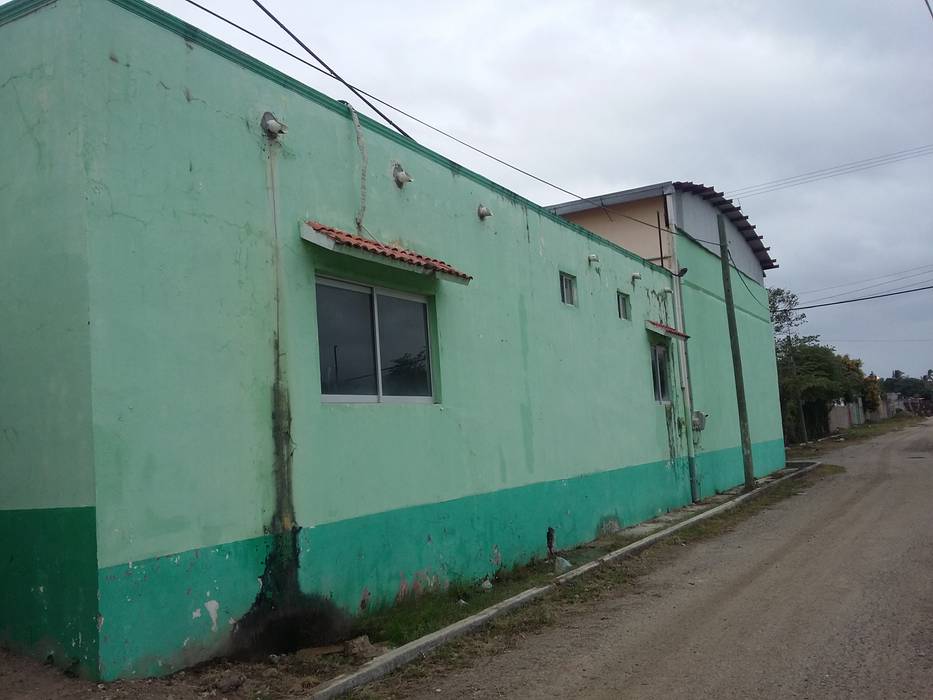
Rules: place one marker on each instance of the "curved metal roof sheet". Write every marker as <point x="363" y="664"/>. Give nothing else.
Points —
<point x="734" y="214"/>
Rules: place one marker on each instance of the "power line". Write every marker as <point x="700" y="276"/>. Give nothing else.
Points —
<point x="876" y="296"/>
<point x="869" y="279"/>
<point x="877" y="340"/>
<point x="929" y="8"/>
<point x="831" y="168"/>
<point x="327" y="67"/>
<point x="836" y="171"/>
<point x="360" y="92"/>
<point x="877" y="284"/>
<point x="742" y="279"/>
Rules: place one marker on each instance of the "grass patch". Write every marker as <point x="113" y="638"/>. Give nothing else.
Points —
<point x="416" y="616"/>
<point x="859" y="433"/>
<point x="569" y="600"/>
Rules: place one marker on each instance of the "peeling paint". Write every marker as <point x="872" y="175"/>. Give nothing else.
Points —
<point x="212" y="606"/>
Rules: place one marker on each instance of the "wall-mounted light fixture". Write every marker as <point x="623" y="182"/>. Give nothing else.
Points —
<point x="271" y="126"/>
<point x="482" y="212"/>
<point x="400" y="176"/>
<point x="635" y="276"/>
<point x="592" y="259"/>
<point x="681" y="272"/>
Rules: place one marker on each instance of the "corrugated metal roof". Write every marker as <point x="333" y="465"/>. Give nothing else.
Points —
<point x="735" y="215"/>
<point x="409" y="257"/>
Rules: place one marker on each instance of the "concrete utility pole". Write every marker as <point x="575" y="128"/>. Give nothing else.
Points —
<point x="736" y="358"/>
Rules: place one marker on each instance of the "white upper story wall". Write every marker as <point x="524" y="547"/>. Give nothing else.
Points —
<point x="698" y="218"/>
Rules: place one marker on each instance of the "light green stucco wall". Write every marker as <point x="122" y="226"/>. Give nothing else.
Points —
<point x="48" y="603"/>
<point x="712" y="377"/>
<point x="546" y="415"/>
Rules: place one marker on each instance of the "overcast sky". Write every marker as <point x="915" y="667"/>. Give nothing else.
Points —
<point x="602" y="96"/>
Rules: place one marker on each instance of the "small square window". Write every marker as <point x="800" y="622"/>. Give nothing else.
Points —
<point x="625" y="306"/>
<point x="659" y="373"/>
<point x="568" y="289"/>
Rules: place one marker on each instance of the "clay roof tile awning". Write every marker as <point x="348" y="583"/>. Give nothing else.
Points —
<point x="335" y="239"/>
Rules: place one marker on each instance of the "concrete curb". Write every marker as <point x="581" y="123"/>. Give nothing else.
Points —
<point x="388" y="662"/>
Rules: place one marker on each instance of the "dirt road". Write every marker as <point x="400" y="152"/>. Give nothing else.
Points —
<point x="827" y="595"/>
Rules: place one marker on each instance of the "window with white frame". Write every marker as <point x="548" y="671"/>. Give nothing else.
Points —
<point x="625" y="305"/>
<point x="660" y="373"/>
<point x="568" y="289"/>
<point x="373" y="344"/>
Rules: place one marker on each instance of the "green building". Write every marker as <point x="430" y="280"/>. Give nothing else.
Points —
<point x="229" y="372"/>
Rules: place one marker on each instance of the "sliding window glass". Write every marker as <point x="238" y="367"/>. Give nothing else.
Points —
<point x="363" y="328"/>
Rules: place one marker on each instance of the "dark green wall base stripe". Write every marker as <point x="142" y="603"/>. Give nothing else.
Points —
<point x="720" y="470"/>
<point x="162" y="614"/>
<point x="48" y="586"/>
<point x="375" y="559"/>
<point x="165" y="613"/>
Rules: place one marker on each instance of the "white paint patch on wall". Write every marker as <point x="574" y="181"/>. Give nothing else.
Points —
<point x="212" y="606"/>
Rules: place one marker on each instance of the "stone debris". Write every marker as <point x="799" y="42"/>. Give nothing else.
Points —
<point x="229" y="682"/>
<point x="561" y="565"/>
<point x="361" y="648"/>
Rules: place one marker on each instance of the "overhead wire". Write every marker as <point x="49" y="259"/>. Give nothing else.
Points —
<point x="744" y="284"/>
<point x="875" y="286"/>
<point x="868" y="279"/>
<point x="327" y="67"/>
<point x="876" y="296"/>
<point x="835" y="171"/>
<point x="363" y="93"/>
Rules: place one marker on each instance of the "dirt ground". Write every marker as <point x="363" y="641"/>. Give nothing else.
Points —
<point x="822" y="595"/>
<point x="825" y="595"/>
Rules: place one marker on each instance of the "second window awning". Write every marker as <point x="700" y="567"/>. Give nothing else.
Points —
<point x="357" y="246"/>
<point x="665" y="330"/>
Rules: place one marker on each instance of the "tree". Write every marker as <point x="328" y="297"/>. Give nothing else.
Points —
<point x="905" y="385"/>
<point x="783" y="304"/>
<point x="812" y="376"/>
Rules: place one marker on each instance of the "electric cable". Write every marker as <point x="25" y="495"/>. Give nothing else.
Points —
<point x="744" y="284"/>
<point x="876" y="296"/>
<point x="869" y="279"/>
<point x="832" y="171"/>
<point x="876" y="285"/>
<point x="327" y="67"/>
<point x="362" y="94"/>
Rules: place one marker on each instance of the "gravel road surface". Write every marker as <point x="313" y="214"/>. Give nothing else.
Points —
<point x="829" y="594"/>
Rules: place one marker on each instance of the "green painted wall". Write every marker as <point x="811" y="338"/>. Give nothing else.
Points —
<point x="711" y="370"/>
<point x="48" y="590"/>
<point x="168" y="612"/>
<point x="47" y="534"/>
<point x="192" y="269"/>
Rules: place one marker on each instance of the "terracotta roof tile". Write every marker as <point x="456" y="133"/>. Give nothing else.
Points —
<point x="389" y="251"/>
